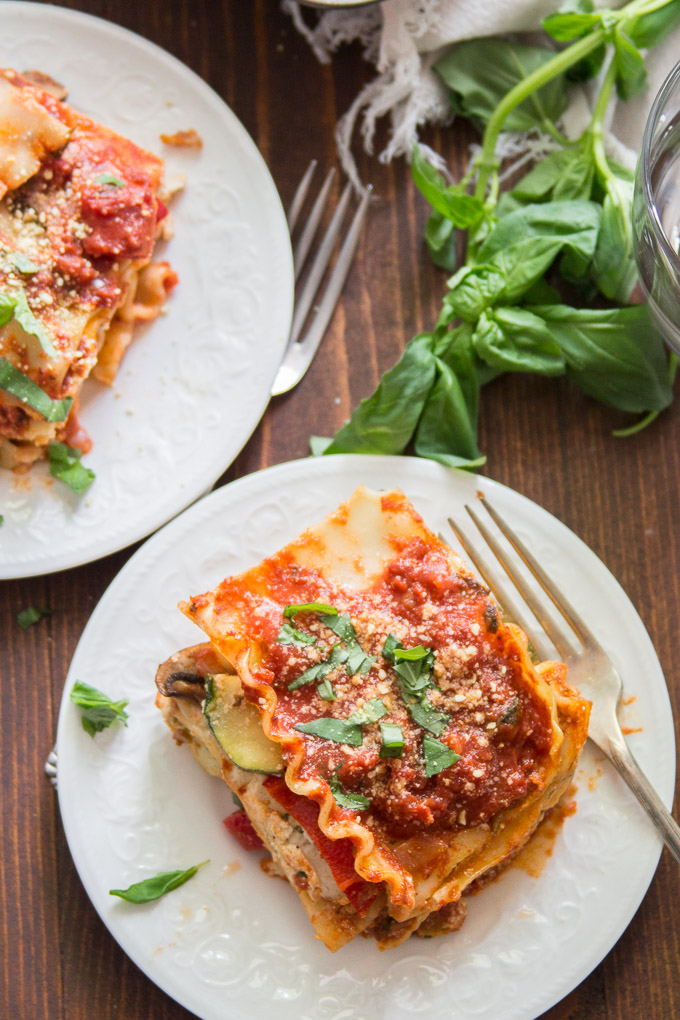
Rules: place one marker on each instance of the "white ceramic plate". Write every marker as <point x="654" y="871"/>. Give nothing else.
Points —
<point x="236" y="945"/>
<point x="194" y="384"/>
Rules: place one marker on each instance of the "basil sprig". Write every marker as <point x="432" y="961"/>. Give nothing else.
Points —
<point x="98" y="711"/>
<point x="13" y="381"/>
<point x="65" y="465"/>
<point x="153" y="888"/>
<point x="567" y="221"/>
<point x="438" y="756"/>
<point x="353" y="801"/>
<point x="413" y="667"/>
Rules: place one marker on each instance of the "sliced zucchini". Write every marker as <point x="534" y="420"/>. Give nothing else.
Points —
<point x="236" y="726"/>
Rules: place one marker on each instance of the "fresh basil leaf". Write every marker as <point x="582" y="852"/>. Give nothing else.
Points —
<point x="571" y="21"/>
<point x="614" y="269"/>
<point x="24" y="264"/>
<point x="316" y="672"/>
<point x="447" y="430"/>
<point x="648" y="30"/>
<point x="386" y="421"/>
<point x="589" y="66"/>
<point x="437" y="756"/>
<point x="414" y="654"/>
<point x="338" y="730"/>
<point x="318" y="444"/>
<point x="7" y="303"/>
<point x="614" y="355"/>
<point x="352" y="801"/>
<point x="472" y="290"/>
<point x="27" y="617"/>
<point x="98" y="711"/>
<point x="28" y="322"/>
<point x="539" y="182"/>
<point x="358" y="661"/>
<point x="340" y="624"/>
<point x="110" y="180"/>
<point x="391" y="741"/>
<point x="541" y="293"/>
<point x="514" y="339"/>
<point x="153" y="888"/>
<point x="462" y="210"/>
<point x="368" y="713"/>
<point x="631" y="73"/>
<point x="325" y="691"/>
<point x="289" y="635"/>
<point x="481" y="72"/>
<point x="65" y="465"/>
<point x="440" y="237"/>
<point x="24" y="389"/>
<point x="390" y="647"/>
<point x="524" y="243"/>
<point x="309" y="607"/>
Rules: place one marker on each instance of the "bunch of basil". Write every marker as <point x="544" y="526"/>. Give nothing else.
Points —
<point x="570" y="216"/>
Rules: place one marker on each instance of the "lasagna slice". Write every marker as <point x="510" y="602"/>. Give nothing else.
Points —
<point x="387" y="733"/>
<point x="80" y="211"/>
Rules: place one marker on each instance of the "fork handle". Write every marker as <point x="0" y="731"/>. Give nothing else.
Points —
<point x="625" y="764"/>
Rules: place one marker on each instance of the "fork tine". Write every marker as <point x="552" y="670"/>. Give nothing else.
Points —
<point x="564" y="607"/>
<point x="536" y="606"/>
<point x="511" y="609"/>
<point x="311" y="226"/>
<point x="300" y="196"/>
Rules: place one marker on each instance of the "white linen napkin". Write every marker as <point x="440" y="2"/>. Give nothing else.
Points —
<point x="404" y="38"/>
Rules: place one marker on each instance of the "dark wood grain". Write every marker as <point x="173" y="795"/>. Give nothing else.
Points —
<point x="543" y="439"/>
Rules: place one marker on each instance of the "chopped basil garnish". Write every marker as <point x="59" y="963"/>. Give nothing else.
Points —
<point x="413" y="667"/>
<point x="342" y="731"/>
<point x="320" y="669"/>
<point x="341" y="625"/>
<point x="24" y="389"/>
<point x="65" y="465"/>
<point x="289" y="635"/>
<point x="368" y="713"/>
<point x="15" y="306"/>
<point x="325" y="690"/>
<point x="309" y="607"/>
<point x="23" y="264"/>
<point x="110" y="179"/>
<point x="98" y="711"/>
<point x="27" y="617"/>
<point x="153" y="888"/>
<point x="353" y="801"/>
<point x="438" y="756"/>
<point x="357" y="660"/>
<point x="392" y="740"/>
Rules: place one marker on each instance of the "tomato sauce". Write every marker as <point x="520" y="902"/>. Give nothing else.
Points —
<point x="499" y="726"/>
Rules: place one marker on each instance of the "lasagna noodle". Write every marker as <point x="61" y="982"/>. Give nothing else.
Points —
<point x="78" y="222"/>
<point x="419" y="863"/>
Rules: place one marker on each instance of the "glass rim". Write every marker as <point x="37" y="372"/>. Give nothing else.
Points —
<point x="670" y="83"/>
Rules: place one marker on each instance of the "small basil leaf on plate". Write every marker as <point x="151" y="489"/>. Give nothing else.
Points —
<point x="97" y="709"/>
<point x="153" y="888"/>
<point x="24" y="389"/>
<point x="65" y="465"/>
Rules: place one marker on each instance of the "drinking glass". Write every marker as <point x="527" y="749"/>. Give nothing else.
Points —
<point x="656" y="210"/>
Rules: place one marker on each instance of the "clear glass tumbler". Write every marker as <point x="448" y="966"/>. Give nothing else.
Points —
<point x="656" y="210"/>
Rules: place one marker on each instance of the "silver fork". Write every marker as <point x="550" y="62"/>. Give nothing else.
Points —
<point x="590" y="668"/>
<point x="300" y="350"/>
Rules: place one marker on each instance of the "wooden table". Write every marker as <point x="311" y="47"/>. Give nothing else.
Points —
<point x="543" y="439"/>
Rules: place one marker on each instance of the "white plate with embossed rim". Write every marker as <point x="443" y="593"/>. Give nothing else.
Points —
<point x="194" y="383"/>
<point x="233" y="944"/>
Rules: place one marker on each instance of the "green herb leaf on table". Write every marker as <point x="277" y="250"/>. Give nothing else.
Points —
<point x="631" y="74"/>
<point x="647" y="30"/>
<point x="438" y="756"/>
<point x="98" y="711"/>
<point x="153" y="888"/>
<point x="66" y="466"/>
<point x="454" y="204"/>
<point x="28" y="617"/>
<point x="352" y="801"/>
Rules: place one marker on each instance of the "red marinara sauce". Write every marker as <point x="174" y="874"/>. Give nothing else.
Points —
<point x="493" y="716"/>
